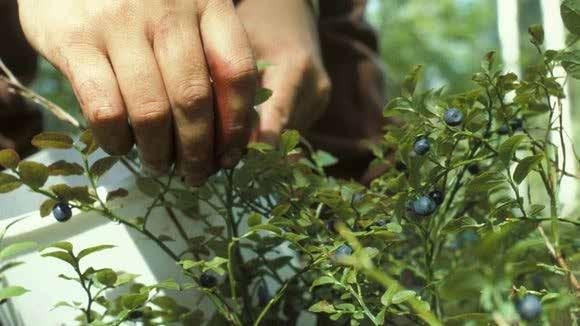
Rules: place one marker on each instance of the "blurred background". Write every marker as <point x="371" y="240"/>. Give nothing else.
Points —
<point x="447" y="37"/>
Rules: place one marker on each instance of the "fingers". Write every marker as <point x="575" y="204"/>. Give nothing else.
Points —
<point x="233" y="70"/>
<point x="97" y="91"/>
<point x="179" y="52"/>
<point x="144" y="94"/>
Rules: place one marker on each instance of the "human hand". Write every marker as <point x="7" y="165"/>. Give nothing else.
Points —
<point x="177" y="77"/>
<point x="284" y="34"/>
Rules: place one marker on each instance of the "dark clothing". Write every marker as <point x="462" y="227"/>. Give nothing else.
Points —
<point x="350" y="53"/>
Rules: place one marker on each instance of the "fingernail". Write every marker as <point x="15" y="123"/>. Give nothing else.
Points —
<point x="231" y="158"/>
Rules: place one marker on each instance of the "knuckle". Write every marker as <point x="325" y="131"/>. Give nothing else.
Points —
<point x="104" y="114"/>
<point x="324" y="89"/>
<point x="191" y="94"/>
<point x="152" y="113"/>
<point x="240" y="71"/>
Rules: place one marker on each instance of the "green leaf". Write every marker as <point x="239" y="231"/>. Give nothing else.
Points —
<point x="411" y="80"/>
<point x="107" y="277"/>
<point x="188" y="264"/>
<point x="468" y="317"/>
<point x="324" y="159"/>
<point x="64" y="256"/>
<point x="102" y="166"/>
<point x="64" y="245"/>
<point x="168" y="285"/>
<point x="508" y="148"/>
<point x="87" y="251"/>
<point x="63" y="168"/>
<point x="116" y="194"/>
<point x="403" y="296"/>
<point x="33" y="174"/>
<point x="165" y="238"/>
<point x="262" y="96"/>
<point x="124" y="278"/>
<point x="267" y="227"/>
<point x="254" y="219"/>
<point x="387" y="297"/>
<point x="134" y="301"/>
<point x="149" y="187"/>
<point x="323" y="280"/>
<point x="12" y="291"/>
<point x="537" y="33"/>
<point x="525" y="166"/>
<point x="89" y="141"/>
<point x="289" y="140"/>
<point x="215" y="265"/>
<point x="9" y="159"/>
<point x="571" y="62"/>
<point x="17" y="248"/>
<point x="55" y="140"/>
<point x="570" y="10"/>
<point x="322" y="306"/>
<point x="8" y="183"/>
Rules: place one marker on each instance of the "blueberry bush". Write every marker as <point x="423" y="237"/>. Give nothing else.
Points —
<point x="463" y="228"/>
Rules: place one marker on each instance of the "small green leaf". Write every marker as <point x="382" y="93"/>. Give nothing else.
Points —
<point x="17" y="248"/>
<point x="63" y="168"/>
<point x="12" y="291"/>
<point x="64" y="245"/>
<point x="64" y="256"/>
<point x="570" y="10"/>
<point x="89" y="141"/>
<point x="403" y="296"/>
<point x="168" y="285"/>
<point x="8" y="183"/>
<point x="87" y="251"/>
<point x="124" y="278"/>
<point x="9" y="159"/>
<point x="508" y="148"/>
<point x="322" y="306"/>
<point x="33" y="174"/>
<point x="165" y="238"/>
<point x="289" y="140"/>
<point x="133" y="301"/>
<point x="322" y="281"/>
<point x="107" y="277"/>
<point x="267" y="227"/>
<point x="116" y="194"/>
<point x="262" y="96"/>
<point x="102" y="166"/>
<point x="525" y="166"/>
<point x="254" y="219"/>
<point x="411" y="80"/>
<point x="55" y="140"/>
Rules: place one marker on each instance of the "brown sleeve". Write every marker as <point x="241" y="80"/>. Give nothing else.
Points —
<point x="18" y="123"/>
<point x="354" y="115"/>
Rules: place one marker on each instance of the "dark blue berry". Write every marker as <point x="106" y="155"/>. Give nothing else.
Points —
<point x="263" y="295"/>
<point x="517" y="124"/>
<point x="207" y="280"/>
<point x="473" y="169"/>
<point x="331" y="225"/>
<point x="437" y="196"/>
<point x="343" y="251"/>
<point x="503" y="130"/>
<point x="381" y="223"/>
<point x="453" y="117"/>
<point x="137" y="314"/>
<point x="409" y="207"/>
<point x="530" y="307"/>
<point x="400" y="166"/>
<point x="424" y="206"/>
<point x="62" y="211"/>
<point x="422" y="146"/>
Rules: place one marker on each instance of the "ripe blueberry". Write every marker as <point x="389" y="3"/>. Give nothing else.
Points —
<point x="400" y="166"/>
<point x="453" y="117"/>
<point x="137" y="314"/>
<point x="503" y="130"/>
<point x="530" y="307"/>
<point x="331" y="225"/>
<point x="473" y="169"/>
<point x="62" y="211"/>
<point x="422" y="146"/>
<point x="517" y="124"/>
<point x="424" y="206"/>
<point x="342" y="252"/>
<point x="263" y="295"/>
<point x="437" y="196"/>
<point x="207" y="280"/>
